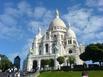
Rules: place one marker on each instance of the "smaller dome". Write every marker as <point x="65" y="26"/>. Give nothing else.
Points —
<point x="38" y="36"/>
<point x="70" y="33"/>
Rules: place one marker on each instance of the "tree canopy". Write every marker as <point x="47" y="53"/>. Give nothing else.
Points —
<point x="60" y="60"/>
<point x="5" y="63"/>
<point x="93" y="52"/>
<point x="71" y="60"/>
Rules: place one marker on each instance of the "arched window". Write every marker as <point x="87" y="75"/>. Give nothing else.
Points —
<point x="55" y="37"/>
<point x="46" y="47"/>
<point x="53" y="48"/>
<point x="40" y="49"/>
<point x="47" y="35"/>
<point x="54" y="27"/>
<point x="40" y="52"/>
<point x="69" y="41"/>
<point x="70" y="51"/>
<point x="34" y="64"/>
<point x="74" y="42"/>
<point x="62" y="37"/>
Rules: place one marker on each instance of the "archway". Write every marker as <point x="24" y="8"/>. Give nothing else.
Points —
<point x="70" y="51"/>
<point x="35" y="65"/>
<point x="51" y="65"/>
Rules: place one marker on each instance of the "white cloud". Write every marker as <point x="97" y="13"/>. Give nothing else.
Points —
<point x="86" y="25"/>
<point x="7" y="32"/>
<point x="42" y="19"/>
<point x="7" y="20"/>
<point x="91" y="3"/>
<point x="25" y="8"/>
<point x="78" y="18"/>
<point x="96" y="4"/>
<point x="100" y="36"/>
<point x="26" y="15"/>
<point x="100" y="9"/>
<point x="100" y="2"/>
<point x="94" y="24"/>
<point x="12" y="19"/>
<point x="12" y="12"/>
<point x="34" y="25"/>
<point x="39" y="12"/>
<point x="24" y="51"/>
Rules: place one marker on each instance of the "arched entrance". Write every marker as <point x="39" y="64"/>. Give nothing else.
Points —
<point x="35" y="65"/>
<point x="51" y="65"/>
<point x="47" y="64"/>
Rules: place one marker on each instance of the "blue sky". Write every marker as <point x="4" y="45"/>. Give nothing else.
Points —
<point x="20" y="19"/>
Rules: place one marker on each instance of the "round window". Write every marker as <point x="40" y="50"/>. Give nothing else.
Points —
<point x="70" y="51"/>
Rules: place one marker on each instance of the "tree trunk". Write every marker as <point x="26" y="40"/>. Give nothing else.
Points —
<point x="70" y="65"/>
<point x="67" y="63"/>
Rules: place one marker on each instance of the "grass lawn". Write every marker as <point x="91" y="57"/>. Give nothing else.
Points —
<point x="70" y="74"/>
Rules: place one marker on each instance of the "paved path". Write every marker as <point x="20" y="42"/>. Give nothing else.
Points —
<point x="33" y="74"/>
<point x="3" y="74"/>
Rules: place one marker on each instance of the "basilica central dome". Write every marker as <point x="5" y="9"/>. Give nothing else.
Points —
<point x="57" y="22"/>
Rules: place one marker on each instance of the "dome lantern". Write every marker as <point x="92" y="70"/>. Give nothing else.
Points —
<point x="57" y="14"/>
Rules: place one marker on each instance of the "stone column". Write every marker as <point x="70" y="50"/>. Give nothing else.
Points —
<point x="39" y="64"/>
<point x="55" y="64"/>
<point x="65" y="61"/>
<point x="44" y="49"/>
<point x="29" y="65"/>
<point x="36" y="48"/>
<point x="50" y="45"/>
<point x="50" y="48"/>
<point x="78" y="60"/>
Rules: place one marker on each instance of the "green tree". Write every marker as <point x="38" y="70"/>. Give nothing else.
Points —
<point x="71" y="60"/>
<point x="45" y="62"/>
<point x="93" y="52"/>
<point x="60" y="60"/>
<point x="5" y="63"/>
<point x="51" y="64"/>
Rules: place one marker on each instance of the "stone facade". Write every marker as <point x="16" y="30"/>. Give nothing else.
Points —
<point x="59" y="40"/>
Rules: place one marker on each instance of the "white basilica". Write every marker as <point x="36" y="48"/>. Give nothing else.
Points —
<point x="58" y="40"/>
